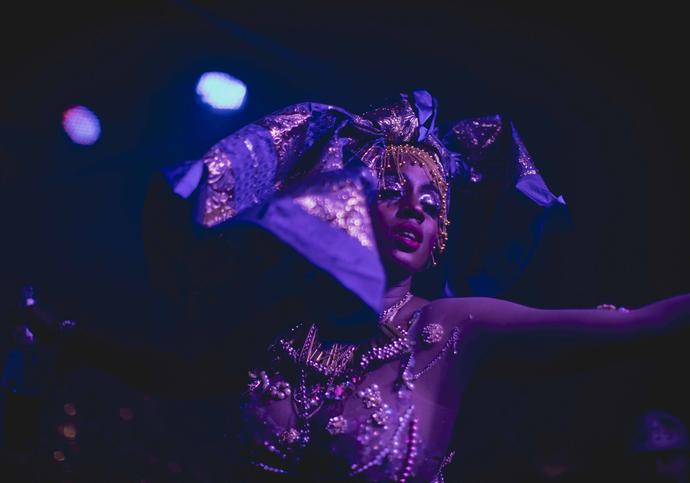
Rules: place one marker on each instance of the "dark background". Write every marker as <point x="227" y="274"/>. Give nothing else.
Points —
<point x="599" y="97"/>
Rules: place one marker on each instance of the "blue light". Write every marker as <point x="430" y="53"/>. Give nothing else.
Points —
<point x="221" y="91"/>
<point x="81" y="125"/>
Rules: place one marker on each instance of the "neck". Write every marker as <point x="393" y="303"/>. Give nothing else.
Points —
<point x="395" y="291"/>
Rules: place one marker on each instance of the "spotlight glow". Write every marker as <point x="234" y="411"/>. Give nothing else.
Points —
<point x="221" y="91"/>
<point x="81" y="125"/>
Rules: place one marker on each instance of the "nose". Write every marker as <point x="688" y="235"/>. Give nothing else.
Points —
<point x="411" y="208"/>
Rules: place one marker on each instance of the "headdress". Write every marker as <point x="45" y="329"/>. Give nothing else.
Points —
<point x="325" y="161"/>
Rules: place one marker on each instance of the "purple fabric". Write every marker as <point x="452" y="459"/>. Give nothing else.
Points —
<point x="535" y="189"/>
<point x="426" y="112"/>
<point x="290" y="147"/>
<point x="358" y="269"/>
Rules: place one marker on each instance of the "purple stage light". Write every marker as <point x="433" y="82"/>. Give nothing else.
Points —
<point x="221" y="91"/>
<point x="81" y="125"/>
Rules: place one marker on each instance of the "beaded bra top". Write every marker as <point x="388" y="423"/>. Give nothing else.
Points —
<point x="319" y="378"/>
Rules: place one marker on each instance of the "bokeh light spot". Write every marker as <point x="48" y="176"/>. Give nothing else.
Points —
<point x="81" y="125"/>
<point x="69" y="431"/>
<point x="221" y="91"/>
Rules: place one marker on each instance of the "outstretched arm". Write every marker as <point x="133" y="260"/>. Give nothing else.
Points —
<point x="656" y="318"/>
<point x="530" y="337"/>
<point x="174" y="366"/>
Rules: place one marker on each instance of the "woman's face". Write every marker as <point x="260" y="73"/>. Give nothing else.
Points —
<point x="405" y="220"/>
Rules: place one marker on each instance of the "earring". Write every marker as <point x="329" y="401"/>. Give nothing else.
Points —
<point x="433" y="259"/>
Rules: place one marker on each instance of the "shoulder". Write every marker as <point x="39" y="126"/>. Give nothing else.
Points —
<point x="477" y="311"/>
<point x="465" y="306"/>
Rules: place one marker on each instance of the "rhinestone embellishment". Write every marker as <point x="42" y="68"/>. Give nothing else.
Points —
<point x="432" y="333"/>
<point x="336" y="425"/>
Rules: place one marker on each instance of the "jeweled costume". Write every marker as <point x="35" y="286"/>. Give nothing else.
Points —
<point x="335" y="398"/>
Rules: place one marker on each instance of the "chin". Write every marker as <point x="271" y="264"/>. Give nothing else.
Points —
<point x="405" y="263"/>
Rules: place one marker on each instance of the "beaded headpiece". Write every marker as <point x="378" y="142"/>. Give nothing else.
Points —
<point x="396" y="156"/>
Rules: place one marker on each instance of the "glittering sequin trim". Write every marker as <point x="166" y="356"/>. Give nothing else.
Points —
<point x="342" y="204"/>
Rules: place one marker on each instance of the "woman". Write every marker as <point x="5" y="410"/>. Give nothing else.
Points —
<point x="308" y="229"/>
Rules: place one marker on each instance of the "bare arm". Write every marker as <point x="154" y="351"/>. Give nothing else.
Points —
<point x="519" y="338"/>
<point x="508" y="317"/>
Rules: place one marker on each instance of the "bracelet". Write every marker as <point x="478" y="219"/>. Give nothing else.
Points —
<point x="612" y="307"/>
<point x="67" y="325"/>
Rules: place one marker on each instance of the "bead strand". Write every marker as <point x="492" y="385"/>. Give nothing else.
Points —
<point x="439" y="478"/>
<point x="412" y="443"/>
<point x="395" y="441"/>
<point x="451" y="342"/>
<point x="388" y="351"/>
<point x="271" y="469"/>
<point x="271" y="448"/>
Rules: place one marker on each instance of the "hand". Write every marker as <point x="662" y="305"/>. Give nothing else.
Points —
<point x="40" y="321"/>
<point x="32" y="321"/>
<point x="36" y="324"/>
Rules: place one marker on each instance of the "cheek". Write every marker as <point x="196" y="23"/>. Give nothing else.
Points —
<point x="381" y="215"/>
<point x="431" y="234"/>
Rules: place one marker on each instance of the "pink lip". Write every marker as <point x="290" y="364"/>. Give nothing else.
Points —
<point x="405" y="243"/>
